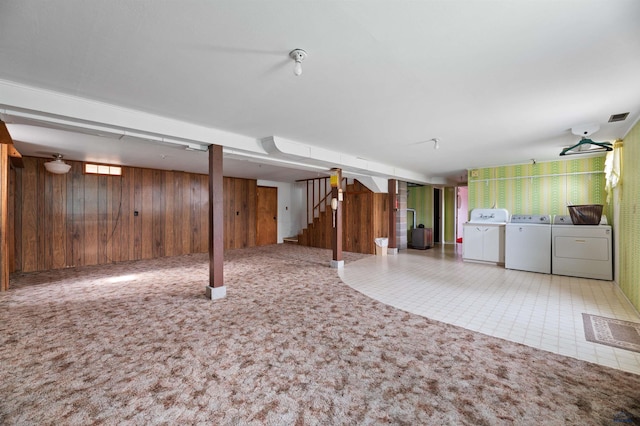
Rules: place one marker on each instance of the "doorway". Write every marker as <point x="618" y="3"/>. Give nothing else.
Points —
<point x="266" y="215"/>
<point x="437" y="215"/>
<point x="462" y="211"/>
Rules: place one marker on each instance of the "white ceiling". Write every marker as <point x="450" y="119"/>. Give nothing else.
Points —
<point x="498" y="82"/>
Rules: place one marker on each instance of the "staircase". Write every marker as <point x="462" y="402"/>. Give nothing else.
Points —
<point x="319" y="214"/>
<point x="364" y="216"/>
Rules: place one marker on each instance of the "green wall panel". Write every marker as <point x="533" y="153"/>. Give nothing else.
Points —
<point x="629" y="226"/>
<point x="421" y="199"/>
<point x="541" y="188"/>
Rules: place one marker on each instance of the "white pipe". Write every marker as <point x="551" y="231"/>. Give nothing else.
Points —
<point x="537" y="176"/>
<point x="414" y="216"/>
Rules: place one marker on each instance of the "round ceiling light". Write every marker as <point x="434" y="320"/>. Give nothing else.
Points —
<point x="57" y="166"/>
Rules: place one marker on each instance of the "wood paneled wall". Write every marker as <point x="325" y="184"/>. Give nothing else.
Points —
<point x="365" y="217"/>
<point x="77" y="219"/>
<point x="239" y="213"/>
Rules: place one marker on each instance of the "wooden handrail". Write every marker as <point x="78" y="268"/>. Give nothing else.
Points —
<point x="324" y="201"/>
<point x="311" y="179"/>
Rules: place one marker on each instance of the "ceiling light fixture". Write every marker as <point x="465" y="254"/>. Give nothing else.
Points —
<point x="57" y="166"/>
<point x="298" y="55"/>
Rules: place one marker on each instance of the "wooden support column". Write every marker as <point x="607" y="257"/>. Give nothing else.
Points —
<point x="8" y="153"/>
<point x="216" y="288"/>
<point x="393" y="208"/>
<point x="6" y="150"/>
<point x="336" y="234"/>
<point x="4" y="216"/>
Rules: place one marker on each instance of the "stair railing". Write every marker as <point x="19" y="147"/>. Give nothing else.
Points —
<point x="318" y="191"/>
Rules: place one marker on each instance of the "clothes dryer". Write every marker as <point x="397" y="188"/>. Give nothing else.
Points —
<point x="581" y="250"/>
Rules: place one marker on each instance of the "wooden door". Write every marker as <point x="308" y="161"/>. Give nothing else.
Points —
<point x="266" y="215"/>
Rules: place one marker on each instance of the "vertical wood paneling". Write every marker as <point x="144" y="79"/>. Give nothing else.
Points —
<point x="239" y="213"/>
<point x="77" y="244"/>
<point x="44" y="218"/>
<point x="169" y="206"/>
<point x="146" y="214"/>
<point x="68" y="220"/>
<point x="229" y="212"/>
<point x="178" y="214"/>
<point x="102" y="220"/>
<point x="185" y="208"/>
<point x="28" y="214"/>
<point x="158" y="213"/>
<point x="126" y="214"/>
<point x="77" y="219"/>
<point x="116" y="184"/>
<point x="194" y="214"/>
<point x="137" y="220"/>
<point x="110" y="220"/>
<point x="239" y="235"/>
<point x="90" y="224"/>
<point x="250" y="217"/>
<point x="380" y="218"/>
<point x="58" y="215"/>
<point x="15" y="235"/>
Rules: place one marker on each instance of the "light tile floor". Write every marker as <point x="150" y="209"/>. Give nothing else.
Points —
<point x="538" y="310"/>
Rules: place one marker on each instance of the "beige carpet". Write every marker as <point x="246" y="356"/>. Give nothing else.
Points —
<point x="138" y="343"/>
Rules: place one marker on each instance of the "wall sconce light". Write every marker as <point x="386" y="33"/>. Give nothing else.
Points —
<point x="334" y="204"/>
<point x="57" y="166"/>
<point x="334" y="210"/>
<point x="334" y="177"/>
<point x="298" y="55"/>
<point x="436" y="143"/>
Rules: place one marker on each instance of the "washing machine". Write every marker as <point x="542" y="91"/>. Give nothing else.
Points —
<point x="584" y="251"/>
<point x="528" y="243"/>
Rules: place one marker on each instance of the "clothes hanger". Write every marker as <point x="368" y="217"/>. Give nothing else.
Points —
<point x="603" y="146"/>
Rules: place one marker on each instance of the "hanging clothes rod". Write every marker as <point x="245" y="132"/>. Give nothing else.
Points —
<point x="536" y="176"/>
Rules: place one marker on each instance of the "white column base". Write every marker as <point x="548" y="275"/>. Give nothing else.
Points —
<point x="337" y="264"/>
<point x="215" y="293"/>
<point x="392" y="251"/>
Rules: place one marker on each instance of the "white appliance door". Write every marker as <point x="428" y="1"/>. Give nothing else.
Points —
<point x="585" y="248"/>
<point x="528" y="248"/>
<point x="582" y="251"/>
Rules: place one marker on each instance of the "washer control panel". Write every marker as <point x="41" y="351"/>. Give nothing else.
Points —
<point x="542" y="219"/>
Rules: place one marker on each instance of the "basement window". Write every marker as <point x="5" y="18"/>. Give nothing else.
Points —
<point x="102" y="169"/>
